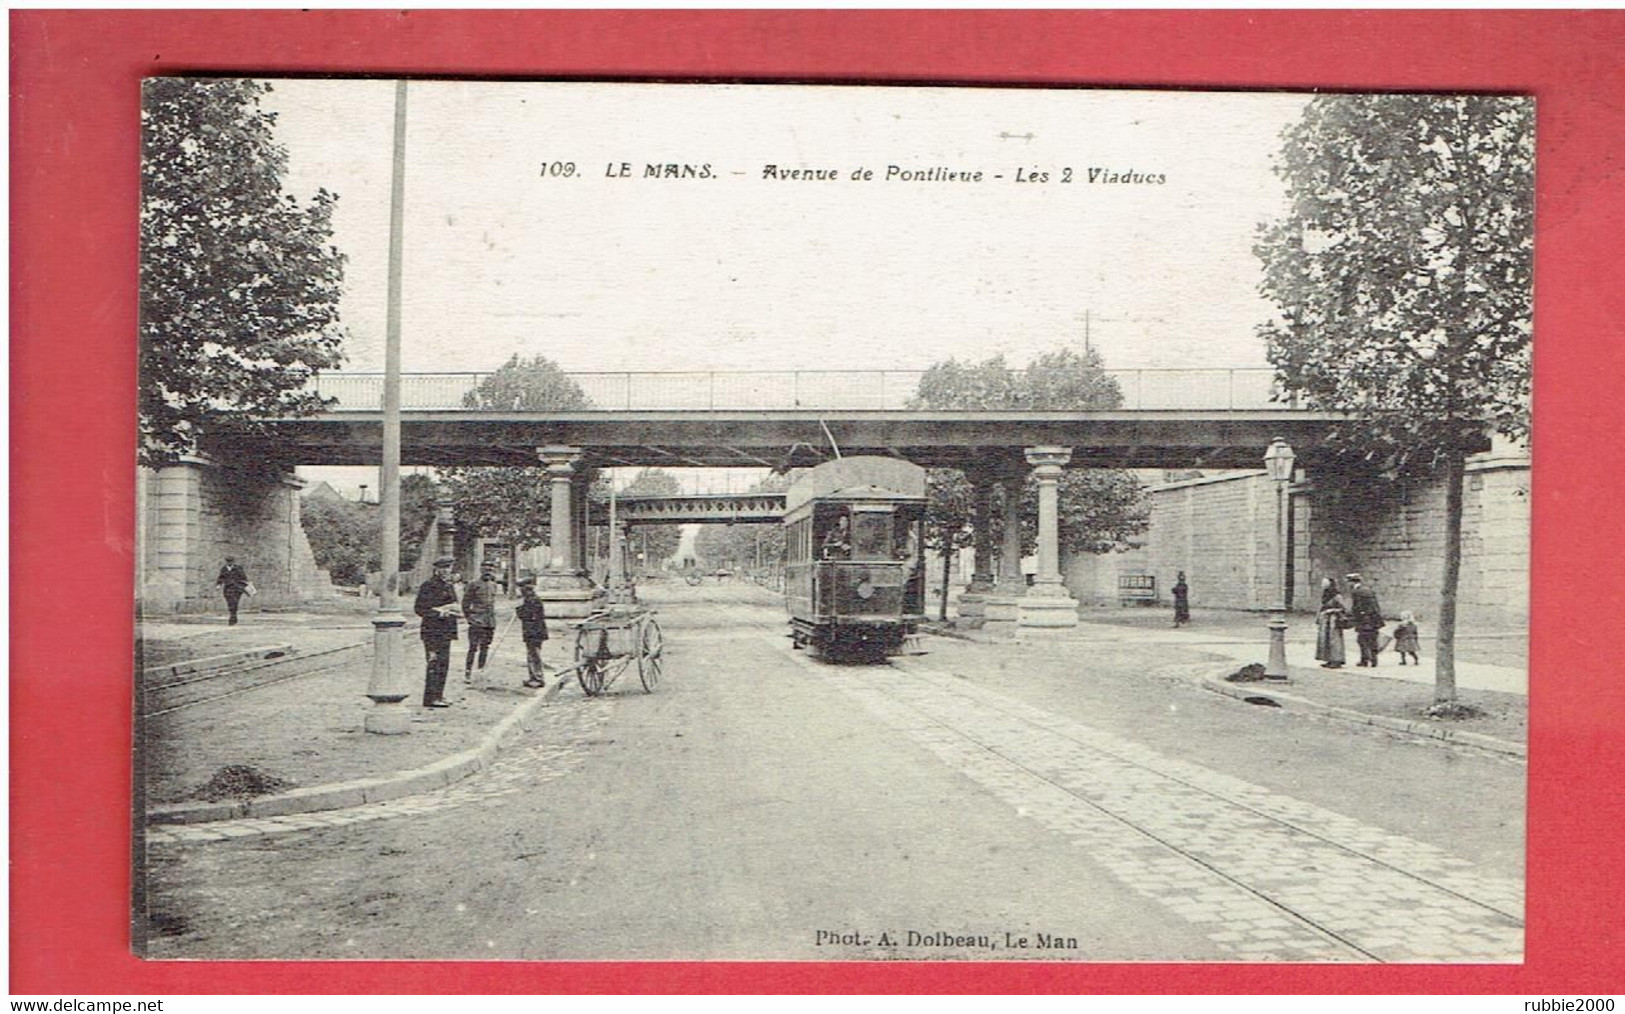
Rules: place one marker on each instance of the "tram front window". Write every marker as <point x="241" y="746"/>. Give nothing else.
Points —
<point x="871" y="535"/>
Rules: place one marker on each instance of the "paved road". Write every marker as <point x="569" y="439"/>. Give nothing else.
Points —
<point x="766" y="805"/>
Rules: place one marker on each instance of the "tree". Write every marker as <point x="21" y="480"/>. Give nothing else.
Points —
<point x="239" y="283"/>
<point x="1402" y="277"/>
<point x="1101" y="510"/>
<point x="343" y="538"/>
<point x="419" y="505"/>
<point x="512" y="503"/>
<point x="535" y="385"/>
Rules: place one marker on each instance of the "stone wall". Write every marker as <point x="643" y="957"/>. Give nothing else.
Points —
<point x="1220" y="530"/>
<point x="194" y="514"/>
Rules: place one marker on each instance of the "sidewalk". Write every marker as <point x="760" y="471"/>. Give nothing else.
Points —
<point x="303" y="739"/>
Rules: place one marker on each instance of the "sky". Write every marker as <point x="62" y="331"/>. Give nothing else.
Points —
<point x="602" y="271"/>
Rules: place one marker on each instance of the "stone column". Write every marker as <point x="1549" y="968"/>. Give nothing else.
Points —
<point x="1048" y="603"/>
<point x="973" y="600"/>
<point x="567" y="592"/>
<point x="1003" y="609"/>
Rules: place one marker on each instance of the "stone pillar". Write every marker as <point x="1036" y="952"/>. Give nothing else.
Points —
<point x="973" y="600"/>
<point x="565" y="589"/>
<point x="1048" y="603"/>
<point x="561" y="467"/>
<point x="1003" y="609"/>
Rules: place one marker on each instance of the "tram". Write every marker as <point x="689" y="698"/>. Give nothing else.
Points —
<point x="854" y="568"/>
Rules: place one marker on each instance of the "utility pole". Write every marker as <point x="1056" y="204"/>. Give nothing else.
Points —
<point x="387" y="687"/>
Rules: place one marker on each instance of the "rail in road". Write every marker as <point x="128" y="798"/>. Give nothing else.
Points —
<point x="166" y="691"/>
<point x="1224" y="388"/>
<point x="1265" y="876"/>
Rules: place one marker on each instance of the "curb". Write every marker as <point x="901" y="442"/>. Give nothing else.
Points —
<point x="343" y="795"/>
<point x="1426" y="730"/>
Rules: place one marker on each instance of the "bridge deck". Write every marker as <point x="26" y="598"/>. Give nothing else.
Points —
<point x="1164" y="438"/>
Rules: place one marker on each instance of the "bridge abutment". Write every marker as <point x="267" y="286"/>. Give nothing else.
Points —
<point x="196" y="512"/>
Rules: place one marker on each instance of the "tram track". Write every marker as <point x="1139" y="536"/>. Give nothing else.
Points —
<point x="163" y="697"/>
<point x="1295" y="827"/>
<point x="955" y="721"/>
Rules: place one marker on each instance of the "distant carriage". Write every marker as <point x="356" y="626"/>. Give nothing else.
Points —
<point x="854" y="555"/>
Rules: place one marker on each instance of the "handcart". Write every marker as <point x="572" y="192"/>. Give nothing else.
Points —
<point x="609" y="642"/>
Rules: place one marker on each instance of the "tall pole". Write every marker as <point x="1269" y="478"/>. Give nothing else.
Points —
<point x="387" y="688"/>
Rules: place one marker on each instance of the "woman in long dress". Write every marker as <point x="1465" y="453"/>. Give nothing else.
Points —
<point x="1182" y="601"/>
<point x="1328" y="627"/>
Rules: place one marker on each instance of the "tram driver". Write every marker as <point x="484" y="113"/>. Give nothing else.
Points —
<point x="838" y="540"/>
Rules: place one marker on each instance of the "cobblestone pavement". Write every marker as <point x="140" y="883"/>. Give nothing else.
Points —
<point x="553" y="747"/>
<point x="1267" y="877"/>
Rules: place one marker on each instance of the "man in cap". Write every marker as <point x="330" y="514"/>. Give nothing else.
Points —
<point x="533" y="619"/>
<point x="437" y="605"/>
<point x="1367" y="619"/>
<point x="480" y="610"/>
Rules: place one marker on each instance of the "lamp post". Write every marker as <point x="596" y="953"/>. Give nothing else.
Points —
<point x="1278" y="464"/>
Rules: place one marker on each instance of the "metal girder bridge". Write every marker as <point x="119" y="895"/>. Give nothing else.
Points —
<point x="713" y="509"/>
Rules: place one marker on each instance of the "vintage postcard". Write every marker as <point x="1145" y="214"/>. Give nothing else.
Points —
<point x="612" y="521"/>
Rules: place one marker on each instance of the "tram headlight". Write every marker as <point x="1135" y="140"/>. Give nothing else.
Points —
<point x="865" y="589"/>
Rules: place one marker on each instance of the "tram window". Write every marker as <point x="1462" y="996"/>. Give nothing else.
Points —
<point x="871" y="535"/>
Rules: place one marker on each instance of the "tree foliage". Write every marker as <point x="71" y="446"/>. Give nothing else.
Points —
<point x="1100" y="509"/>
<point x="1403" y="281"/>
<point x="512" y="503"/>
<point x="239" y="282"/>
<point x="532" y="385"/>
<point x="1402" y="275"/>
<point x="343" y="538"/>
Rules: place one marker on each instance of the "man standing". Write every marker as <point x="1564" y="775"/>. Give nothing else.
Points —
<point x="437" y="605"/>
<point x="1367" y="619"/>
<point x="480" y="610"/>
<point x="533" y="619"/>
<point x="233" y="581"/>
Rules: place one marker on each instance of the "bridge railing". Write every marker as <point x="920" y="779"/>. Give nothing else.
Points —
<point x="1221" y="388"/>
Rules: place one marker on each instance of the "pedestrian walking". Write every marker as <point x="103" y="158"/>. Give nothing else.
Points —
<point x="436" y="603"/>
<point x="533" y="628"/>
<point x="1406" y="640"/>
<point x="1329" y="625"/>
<point x="480" y="610"/>
<point x="1182" y="601"/>
<point x="232" y="582"/>
<point x="1367" y="620"/>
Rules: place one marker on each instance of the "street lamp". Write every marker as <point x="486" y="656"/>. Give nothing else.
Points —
<point x="1278" y="464"/>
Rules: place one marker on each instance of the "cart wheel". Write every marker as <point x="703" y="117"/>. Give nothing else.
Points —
<point x="649" y="658"/>
<point x="589" y="661"/>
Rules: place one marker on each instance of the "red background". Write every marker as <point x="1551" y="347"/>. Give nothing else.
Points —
<point x="74" y="108"/>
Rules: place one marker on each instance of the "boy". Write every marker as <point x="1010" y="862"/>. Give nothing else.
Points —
<point x="533" y="619"/>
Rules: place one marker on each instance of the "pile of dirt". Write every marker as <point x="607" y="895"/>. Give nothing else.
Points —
<point x="239" y="781"/>
<point x="1252" y="672"/>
